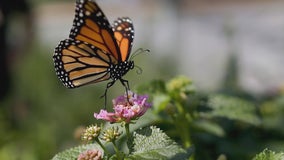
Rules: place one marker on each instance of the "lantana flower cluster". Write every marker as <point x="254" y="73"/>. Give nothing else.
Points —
<point x="91" y="154"/>
<point x="127" y="107"/>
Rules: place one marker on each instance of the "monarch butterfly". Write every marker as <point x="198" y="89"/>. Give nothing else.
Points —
<point x="95" y="51"/>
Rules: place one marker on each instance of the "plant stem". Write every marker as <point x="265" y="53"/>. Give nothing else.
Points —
<point x="102" y="146"/>
<point x="118" y="154"/>
<point x="127" y="131"/>
<point x="183" y="124"/>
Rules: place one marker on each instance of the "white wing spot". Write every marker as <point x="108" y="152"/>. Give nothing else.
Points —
<point x="99" y="14"/>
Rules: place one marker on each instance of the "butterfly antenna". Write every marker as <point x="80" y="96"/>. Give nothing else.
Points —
<point x="139" y="51"/>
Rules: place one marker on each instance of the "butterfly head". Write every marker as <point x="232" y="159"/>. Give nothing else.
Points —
<point x="128" y="66"/>
<point x="131" y="64"/>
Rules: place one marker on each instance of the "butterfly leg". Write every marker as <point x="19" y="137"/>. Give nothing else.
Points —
<point x="126" y="86"/>
<point x="109" y="84"/>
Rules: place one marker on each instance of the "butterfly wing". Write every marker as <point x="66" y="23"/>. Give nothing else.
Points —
<point x="124" y="34"/>
<point x="91" y="25"/>
<point x="78" y="63"/>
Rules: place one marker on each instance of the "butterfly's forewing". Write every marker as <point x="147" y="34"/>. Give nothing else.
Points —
<point x="78" y="63"/>
<point x="124" y="34"/>
<point x="91" y="25"/>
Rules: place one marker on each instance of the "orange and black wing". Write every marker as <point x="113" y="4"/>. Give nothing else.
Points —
<point x="78" y="63"/>
<point x="91" y="25"/>
<point x="124" y="33"/>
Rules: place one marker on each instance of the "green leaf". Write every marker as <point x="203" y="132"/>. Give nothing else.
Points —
<point x="151" y="143"/>
<point x="269" y="155"/>
<point x="74" y="152"/>
<point x="209" y="127"/>
<point x="271" y="112"/>
<point x="160" y="102"/>
<point x="232" y="108"/>
<point x="180" y="84"/>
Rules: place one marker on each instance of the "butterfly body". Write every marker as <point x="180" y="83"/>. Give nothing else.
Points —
<point x="95" y="51"/>
<point x="120" y="69"/>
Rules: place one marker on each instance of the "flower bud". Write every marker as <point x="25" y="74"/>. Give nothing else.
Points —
<point x="91" y="132"/>
<point x="111" y="134"/>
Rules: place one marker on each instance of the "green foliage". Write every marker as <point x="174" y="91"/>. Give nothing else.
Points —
<point x="151" y="143"/>
<point x="272" y="113"/>
<point x="269" y="155"/>
<point x="233" y="125"/>
<point x="209" y="127"/>
<point x="233" y="108"/>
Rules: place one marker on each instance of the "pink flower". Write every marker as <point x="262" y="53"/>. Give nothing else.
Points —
<point x="90" y="154"/>
<point x="125" y="108"/>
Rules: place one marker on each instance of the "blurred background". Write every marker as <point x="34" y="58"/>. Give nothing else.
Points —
<point x="199" y="39"/>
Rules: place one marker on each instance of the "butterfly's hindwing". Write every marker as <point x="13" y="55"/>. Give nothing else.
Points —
<point x="78" y="63"/>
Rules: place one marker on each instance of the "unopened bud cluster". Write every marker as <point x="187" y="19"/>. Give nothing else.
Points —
<point x="91" y="132"/>
<point x="111" y="134"/>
